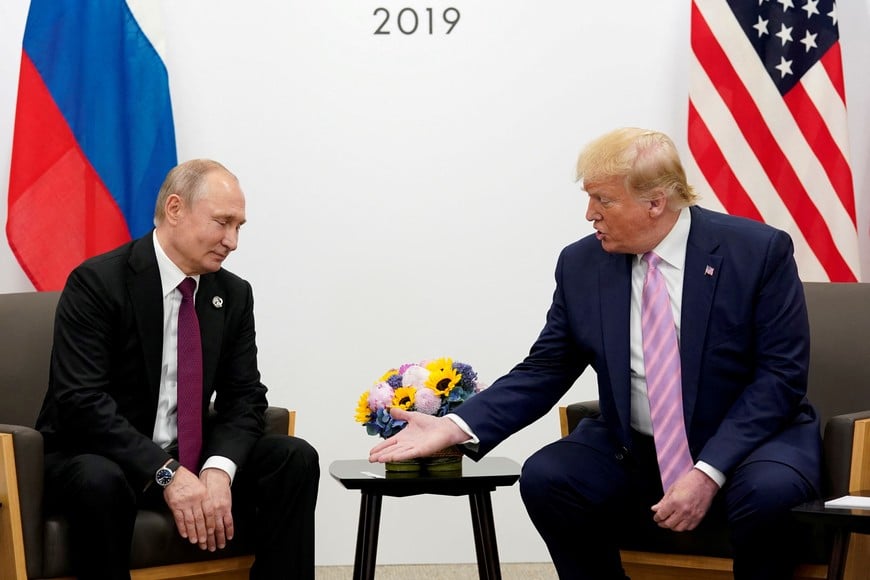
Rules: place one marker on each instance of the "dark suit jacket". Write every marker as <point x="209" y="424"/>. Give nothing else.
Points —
<point x="744" y="344"/>
<point x="106" y="363"/>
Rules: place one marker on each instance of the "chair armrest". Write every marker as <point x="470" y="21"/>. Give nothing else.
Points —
<point x="571" y="415"/>
<point x="845" y="443"/>
<point x="280" y="421"/>
<point x="26" y="463"/>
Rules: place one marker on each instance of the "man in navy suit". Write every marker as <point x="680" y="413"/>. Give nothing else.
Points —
<point x="743" y="333"/>
<point x="110" y="414"/>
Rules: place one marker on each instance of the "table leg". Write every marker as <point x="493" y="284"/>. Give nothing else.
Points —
<point x="367" y="536"/>
<point x="484" y="536"/>
<point x="839" y="553"/>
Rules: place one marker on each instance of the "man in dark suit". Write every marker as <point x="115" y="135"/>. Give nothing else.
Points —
<point x="111" y="415"/>
<point x="750" y="440"/>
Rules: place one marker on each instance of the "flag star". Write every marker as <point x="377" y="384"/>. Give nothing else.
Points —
<point x="809" y="41"/>
<point x="811" y="8"/>
<point x="784" y="67"/>
<point x="833" y="14"/>
<point x="786" y="4"/>
<point x="761" y="27"/>
<point x="784" y="34"/>
<point x="760" y="2"/>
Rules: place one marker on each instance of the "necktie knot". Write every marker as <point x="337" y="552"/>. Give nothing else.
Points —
<point x="652" y="259"/>
<point x="186" y="287"/>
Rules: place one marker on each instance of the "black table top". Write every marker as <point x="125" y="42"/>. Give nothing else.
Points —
<point x="484" y="475"/>
<point x="856" y="520"/>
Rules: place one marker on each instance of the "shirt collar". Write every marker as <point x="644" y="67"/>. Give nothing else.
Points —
<point x="170" y="274"/>
<point x="672" y="249"/>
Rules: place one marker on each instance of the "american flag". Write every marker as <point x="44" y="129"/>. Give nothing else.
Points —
<point x="767" y="124"/>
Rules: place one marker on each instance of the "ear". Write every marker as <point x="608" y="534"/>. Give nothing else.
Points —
<point x="658" y="204"/>
<point x="174" y="208"/>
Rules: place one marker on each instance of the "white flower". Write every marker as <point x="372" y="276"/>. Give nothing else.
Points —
<point x="415" y="376"/>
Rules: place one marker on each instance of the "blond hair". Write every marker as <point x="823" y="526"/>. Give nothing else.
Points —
<point x="647" y="160"/>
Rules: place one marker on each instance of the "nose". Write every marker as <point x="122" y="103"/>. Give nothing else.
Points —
<point x="592" y="213"/>
<point x="231" y="239"/>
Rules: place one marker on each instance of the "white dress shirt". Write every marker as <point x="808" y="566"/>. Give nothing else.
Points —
<point x="166" y="422"/>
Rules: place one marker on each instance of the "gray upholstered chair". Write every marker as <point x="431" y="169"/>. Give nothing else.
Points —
<point x="839" y="387"/>
<point x="35" y="546"/>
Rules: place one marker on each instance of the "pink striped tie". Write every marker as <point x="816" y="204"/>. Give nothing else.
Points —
<point x="189" y="379"/>
<point x="661" y="359"/>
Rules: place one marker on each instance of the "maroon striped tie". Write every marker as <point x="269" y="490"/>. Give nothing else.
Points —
<point x="189" y="379"/>
<point x="661" y="359"/>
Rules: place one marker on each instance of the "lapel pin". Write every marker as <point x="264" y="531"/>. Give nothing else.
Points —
<point x="708" y="271"/>
<point x="218" y="302"/>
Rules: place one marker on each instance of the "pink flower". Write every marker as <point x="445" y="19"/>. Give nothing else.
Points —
<point x="380" y="396"/>
<point x="427" y="401"/>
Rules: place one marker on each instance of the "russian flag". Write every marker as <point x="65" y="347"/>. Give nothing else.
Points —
<point x="94" y="135"/>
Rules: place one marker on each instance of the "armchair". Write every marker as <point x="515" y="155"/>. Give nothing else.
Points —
<point x="840" y="350"/>
<point x="35" y="546"/>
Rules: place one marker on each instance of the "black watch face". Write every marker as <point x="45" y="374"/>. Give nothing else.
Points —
<point x="164" y="476"/>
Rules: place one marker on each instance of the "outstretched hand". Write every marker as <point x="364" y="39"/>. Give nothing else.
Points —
<point x="422" y="436"/>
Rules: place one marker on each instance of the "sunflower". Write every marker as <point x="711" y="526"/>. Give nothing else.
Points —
<point x="404" y="397"/>
<point x="363" y="412"/>
<point x="388" y="374"/>
<point x="442" y="376"/>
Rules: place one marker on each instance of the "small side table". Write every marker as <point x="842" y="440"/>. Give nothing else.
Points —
<point x="843" y="522"/>
<point x="476" y="480"/>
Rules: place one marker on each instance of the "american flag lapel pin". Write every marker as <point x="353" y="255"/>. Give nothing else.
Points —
<point x="708" y="271"/>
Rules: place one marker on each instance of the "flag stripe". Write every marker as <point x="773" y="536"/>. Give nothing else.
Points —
<point x="791" y="166"/>
<point x="833" y="63"/>
<point x="716" y="169"/>
<point x="820" y="140"/>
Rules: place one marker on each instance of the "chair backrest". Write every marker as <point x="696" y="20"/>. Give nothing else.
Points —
<point x="26" y="335"/>
<point x="839" y="381"/>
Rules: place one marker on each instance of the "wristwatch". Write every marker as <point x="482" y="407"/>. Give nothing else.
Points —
<point x="166" y="474"/>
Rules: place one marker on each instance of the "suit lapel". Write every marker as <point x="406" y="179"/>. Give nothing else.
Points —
<point x="699" y="287"/>
<point x="146" y="297"/>
<point x="210" y="308"/>
<point x="615" y="285"/>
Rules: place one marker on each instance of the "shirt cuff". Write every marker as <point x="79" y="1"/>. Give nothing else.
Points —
<point x="711" y="472"/>
<point x="224" y="464"/>
<point x="472" y="438"/>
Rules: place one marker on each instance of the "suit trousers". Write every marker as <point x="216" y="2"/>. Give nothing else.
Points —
<point x="277" y="486"/>
<point x="587" y="497"/>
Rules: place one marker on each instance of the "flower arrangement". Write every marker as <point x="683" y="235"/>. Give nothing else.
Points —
<point x="434" y="387"/>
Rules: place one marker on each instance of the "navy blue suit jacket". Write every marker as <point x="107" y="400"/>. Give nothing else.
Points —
<point x="106" y="362"/>
<point x="744" y="345"/>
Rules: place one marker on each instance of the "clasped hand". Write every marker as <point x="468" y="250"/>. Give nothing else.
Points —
<point x="202" y="507"/>
<point x="686" y="502"/>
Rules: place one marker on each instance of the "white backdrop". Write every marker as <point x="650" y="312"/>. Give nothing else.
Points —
<point x="408" y="194"/>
